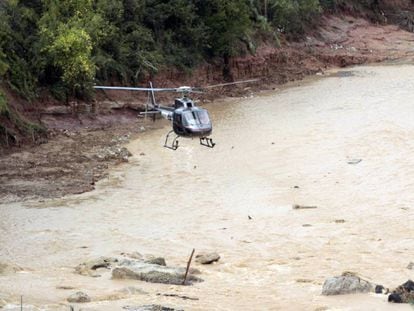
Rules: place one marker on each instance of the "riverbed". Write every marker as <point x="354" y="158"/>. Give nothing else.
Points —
<point x="342" y="142"/>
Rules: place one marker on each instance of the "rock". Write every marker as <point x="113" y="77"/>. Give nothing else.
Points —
<point x="156" y="261"/>
<point x="403" y="293"/>
<point x="149" y="308"/>
<point x="297" y="206"/>
<point x="114" y="153"/>
<point x="89" y="268"/>
<point x="347" y="283"/>
<point x="410" y="266"/>
<point x="379" y="289"/>
<point x="207" y="258"/>
<point x="340" y="221"/>
<point x="138" y="270"/>
<point x="79" y="297"/>
<point x="396" y="298"/>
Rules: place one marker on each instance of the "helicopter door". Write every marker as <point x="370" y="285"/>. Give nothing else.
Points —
<point x="178" y="124"/>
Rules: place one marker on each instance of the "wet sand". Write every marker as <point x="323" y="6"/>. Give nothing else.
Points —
<point x="298" y="145"/>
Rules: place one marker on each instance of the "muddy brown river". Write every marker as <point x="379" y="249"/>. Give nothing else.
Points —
<point x="343" y="143"/>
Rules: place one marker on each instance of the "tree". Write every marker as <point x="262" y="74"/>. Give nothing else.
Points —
<point x="291" y="16"/>
<point x="70" y="51"/>
<point x="68" y="32"/>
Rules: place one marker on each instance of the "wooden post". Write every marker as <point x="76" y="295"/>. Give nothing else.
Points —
<point x="188" y="266"/>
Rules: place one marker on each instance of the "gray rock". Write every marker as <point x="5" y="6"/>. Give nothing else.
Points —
<point x="207" y="258"/>
<point x="137" y="270"/>
<point x="347" y="283"/>
<point x="89" y="268"/>
<point x="156" y="261"/>
<point x="149" y="308"/>
<point x="79" y="297"/>
<point x="410" y="266"/>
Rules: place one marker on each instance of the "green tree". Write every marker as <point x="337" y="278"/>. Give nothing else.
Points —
<point x="70" y="51"/>
<point x="69" y="30"/>
<point x="228" y="26"/>
<point x="292" y="16"/>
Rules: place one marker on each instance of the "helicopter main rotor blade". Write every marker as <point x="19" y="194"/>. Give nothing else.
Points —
<point x="228" y="83"/>
<point x="126" y="88"/>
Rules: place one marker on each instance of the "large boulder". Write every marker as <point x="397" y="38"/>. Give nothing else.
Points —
<point x="347" y="283"/>
<point x="138" y="270"/>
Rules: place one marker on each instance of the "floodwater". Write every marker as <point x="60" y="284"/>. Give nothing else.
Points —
<point x="343" y="143"/>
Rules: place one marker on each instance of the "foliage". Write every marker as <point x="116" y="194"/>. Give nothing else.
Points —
<point x="66" y="46"/>
<point x="292" y="16"/>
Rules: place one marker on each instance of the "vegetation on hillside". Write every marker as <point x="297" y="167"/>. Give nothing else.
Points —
<point x="65" y="46"/>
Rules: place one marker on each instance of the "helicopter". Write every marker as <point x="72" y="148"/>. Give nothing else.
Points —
<point x="188" y="120"/>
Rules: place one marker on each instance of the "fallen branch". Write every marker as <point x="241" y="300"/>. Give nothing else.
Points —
<point x="296" y="206"/>
<point x="188" y="266"/>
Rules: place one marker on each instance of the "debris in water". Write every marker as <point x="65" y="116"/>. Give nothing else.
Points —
<point x="297" y="206"/>
<point x="178" y="296"/>
<point x="354" y="161"/>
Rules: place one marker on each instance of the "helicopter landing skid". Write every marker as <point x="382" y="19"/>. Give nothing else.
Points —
<point x="208" y="142"/>
<point x="174" y="143"/>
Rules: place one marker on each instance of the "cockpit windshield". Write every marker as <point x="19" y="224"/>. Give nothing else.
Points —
<point x="196" y="117"/>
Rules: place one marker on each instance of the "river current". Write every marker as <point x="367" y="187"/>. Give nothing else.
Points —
<point x="343" y="143"/>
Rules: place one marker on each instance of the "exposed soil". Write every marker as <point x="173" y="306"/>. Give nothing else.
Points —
<point x="77" y="151"/>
